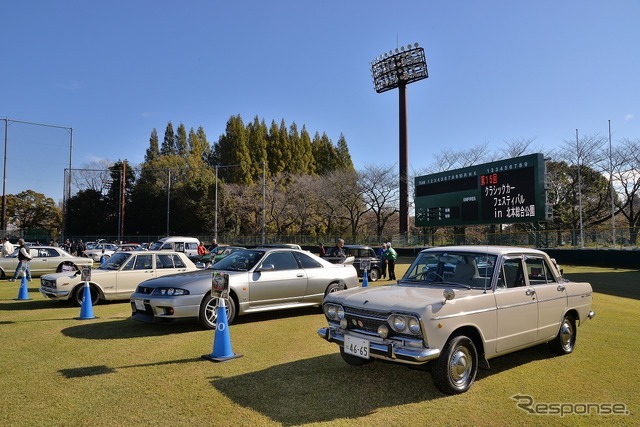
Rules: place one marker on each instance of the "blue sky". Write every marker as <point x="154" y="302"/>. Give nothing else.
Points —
<point x="498" y="70"/>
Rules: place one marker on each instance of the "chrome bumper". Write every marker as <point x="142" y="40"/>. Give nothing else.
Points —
<point x="387" y="351"/>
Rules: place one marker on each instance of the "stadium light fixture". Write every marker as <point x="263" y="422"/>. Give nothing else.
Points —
<point x="396" y="69"/>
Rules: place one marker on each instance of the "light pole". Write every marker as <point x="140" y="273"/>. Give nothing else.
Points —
<point x="396" y="70"/>
<point x="613" y="206"/>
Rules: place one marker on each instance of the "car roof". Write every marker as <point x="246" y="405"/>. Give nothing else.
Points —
<point x="357" y="246"/>
<point x="490" y="249"/>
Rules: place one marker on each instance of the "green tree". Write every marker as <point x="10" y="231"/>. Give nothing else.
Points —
<point x="153" y="152"/>
<point x="168" y="147"/>
<point x="232" y="151"/>
<point x="324" y="153"/>
<point x="29" y="210"/>
<point x="257" y="135"/>
<point x="182" y="146"/>
<point x="344" y="161"/>
<point x="84" y="209"/>
<point x="275" y="156"/>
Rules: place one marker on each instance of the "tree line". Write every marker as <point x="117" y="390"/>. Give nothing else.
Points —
<point x="279" y="180"/>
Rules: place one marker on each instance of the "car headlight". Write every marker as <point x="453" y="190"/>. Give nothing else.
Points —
<point x="170" y="292"/>
<point x="404" y="324"/>
<point x="334" y="312"/>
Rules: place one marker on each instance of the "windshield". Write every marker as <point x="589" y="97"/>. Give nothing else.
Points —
<point x="156" y="246"/>
<point x="464" y="269"/>
<point x="242" y="260"/>
<point x="115" y="261"/>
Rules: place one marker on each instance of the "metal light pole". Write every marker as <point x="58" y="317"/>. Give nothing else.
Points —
<point x="396" y="70"/>
<point x="613" y="210"/>
<point x="580" y="190"/>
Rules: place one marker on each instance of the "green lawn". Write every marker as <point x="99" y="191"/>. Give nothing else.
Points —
<point x="112" y="371"/>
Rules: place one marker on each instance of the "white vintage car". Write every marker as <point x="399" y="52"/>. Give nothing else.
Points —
<point x="459" y="307"/>
<point x="117" y="278"/>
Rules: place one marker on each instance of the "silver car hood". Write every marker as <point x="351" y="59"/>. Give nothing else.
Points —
<point x="184" y="279"/>
<point x="396" y="297"/>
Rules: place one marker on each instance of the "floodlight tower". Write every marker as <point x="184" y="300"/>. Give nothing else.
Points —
<point x="396" y="70"/>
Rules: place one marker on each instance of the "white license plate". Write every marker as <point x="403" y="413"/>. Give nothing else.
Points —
<point x="139" y="304"/>
<point x="356" y="346"/>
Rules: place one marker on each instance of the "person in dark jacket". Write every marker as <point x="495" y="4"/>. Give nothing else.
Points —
<point x="24" y="256"/>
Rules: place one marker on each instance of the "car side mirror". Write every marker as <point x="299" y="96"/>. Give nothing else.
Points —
<point x="267" y="267"/>
<point x="448" y="295"/>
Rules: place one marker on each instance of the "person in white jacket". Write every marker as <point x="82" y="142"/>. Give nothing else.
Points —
<point x="7" y="247"/>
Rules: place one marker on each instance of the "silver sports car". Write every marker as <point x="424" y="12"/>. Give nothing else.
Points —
<point x="260" y="279"/>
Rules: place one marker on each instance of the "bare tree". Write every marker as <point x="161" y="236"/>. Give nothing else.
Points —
<point x="93" y="176"/>
<point x="516" y="147"/>
<point x="348" y="198"/>
<point x="626" y="175"/>
<point x="380" y="194"/>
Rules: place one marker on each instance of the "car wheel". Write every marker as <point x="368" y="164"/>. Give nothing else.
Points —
<point x="565" y="341"/>
<point x="66" y="266"/>
<point x="78" y="295"/>
<point x="373" y="274"/>
<point x="353" y="360"/>
<point x="334" y="287"/>
<point x="208" y="317"/>
<point x="455" y="370"/>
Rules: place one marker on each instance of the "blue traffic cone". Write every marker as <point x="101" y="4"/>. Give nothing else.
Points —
<point x="86" y="310"/>
<point x="222" y="340"/>
<point x="365" y="279"/>
<point x="23" y="293"/>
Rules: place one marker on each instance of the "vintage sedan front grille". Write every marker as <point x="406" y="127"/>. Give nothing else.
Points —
<point x="368" y="321"/>
<point x="365" y="320"/>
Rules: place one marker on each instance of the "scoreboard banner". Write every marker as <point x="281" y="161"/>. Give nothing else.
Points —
<point x="506" y="191"/>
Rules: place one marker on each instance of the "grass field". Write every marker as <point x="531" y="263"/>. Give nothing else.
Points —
<point x="113" y="371"/>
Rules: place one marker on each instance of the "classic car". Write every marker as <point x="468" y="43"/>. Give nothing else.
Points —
<point x="261" y="279"/>
<point x="458" y="307"/>
<point x="117" y="277"/>
<point x="363" y="255"/>
<point x="100" y="249"/>
<point x="46" y="259"/>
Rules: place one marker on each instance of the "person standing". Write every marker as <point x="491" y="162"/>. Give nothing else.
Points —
<point x="321" y="250"/>
<point x="23" y="261"/>
<point x="383" y="260"/>
<point x="391" y="256"/>
<point x="214" y="245"/>
<point x="7" y="248"/>
<point x="338" y="251"/>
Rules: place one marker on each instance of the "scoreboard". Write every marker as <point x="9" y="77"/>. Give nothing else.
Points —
<point x="506" y="191"/>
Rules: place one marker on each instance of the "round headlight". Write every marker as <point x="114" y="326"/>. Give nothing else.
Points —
<point x="340" y="312"/>
<point x="383" y="331"/>
<point x="331" y="311"/>
<point x="414" y="325"/>
<point x="398" y="323"/>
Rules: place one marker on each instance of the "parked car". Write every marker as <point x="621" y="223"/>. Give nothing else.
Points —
<point x="188" y="245"/>
<point x="125" y="247"/>
<point x="362" y="255"/>
<point x="116" y="278"/>
<point x="458" y="307"/>
<point x="260" y="279"/>
<point x="224" y="251"/>
<point x="99" y="249"/>
<point x="46" y="259"/>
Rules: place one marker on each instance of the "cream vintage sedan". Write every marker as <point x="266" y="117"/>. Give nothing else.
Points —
<point x="117" y="278"/>
<point x="458" y="307"/>
<point x="44" y="259"/>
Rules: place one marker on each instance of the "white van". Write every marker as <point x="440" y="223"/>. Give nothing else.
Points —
<point x="188" y="245"/>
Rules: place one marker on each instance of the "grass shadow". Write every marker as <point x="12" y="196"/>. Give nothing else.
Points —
<point x="124" y="329"/>
<point x="617" y="283"/>
<point x="30" y="304"/>
<point x="88" y="371"/>
<point x="283" y="393"/>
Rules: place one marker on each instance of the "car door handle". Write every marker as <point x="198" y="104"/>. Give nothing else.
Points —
<point x="530" y="292"/>
<point x="560" y="288"/>
<point x="300" y="275"/>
